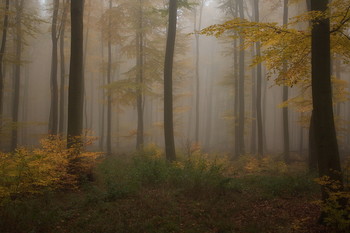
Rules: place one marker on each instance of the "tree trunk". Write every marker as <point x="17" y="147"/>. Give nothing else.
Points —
<point x="258" y="87"/>
<point x="2" y="55"/>
<point x="53" y="120"/>
<point x="63" y="71"/>
<point x="139" y="80"/>
<point x="109" y="80"/>
<point x="201" y="4"/>
<point x="285" y="98"/>
<point x="76" y="76"/>
<point x="236" y="83"/>
<point x="17" y="73"/>
<point x="241" y="118"/>
<point x="168" y="83"/>
<point x="324" y="129"/>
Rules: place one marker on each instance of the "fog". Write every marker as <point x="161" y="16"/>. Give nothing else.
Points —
<point x="215" y="70"/>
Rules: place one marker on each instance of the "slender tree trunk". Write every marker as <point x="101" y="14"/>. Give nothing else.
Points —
<point x="63" y="71"/>
<point x="109" y="81"/>
<point x="254" y="108"/>
<point x="76" y="76"/>
<point x="2" y="55"/>
<point x="258" y="87"/>
<point x="324" y="129"/>
<point x="285" y="97"/>
<point x="53" y="120"/>
<point x="197" y="68"/>
<point x="102" y="110"/>
<point x="168" y="83"/>
<point x="241" y="119"/>
<point x="17" y="73"/>
<point x="139" y="80"/>
<point x="236" y="83"/>
<point x="86" y="41"/>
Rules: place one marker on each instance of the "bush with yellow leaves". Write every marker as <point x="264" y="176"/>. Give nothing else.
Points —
<point x="336" y="208"/>
<point x="31" y="171"/>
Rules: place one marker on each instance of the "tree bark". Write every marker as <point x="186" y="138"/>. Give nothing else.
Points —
<point x="139" y="80"/>
<point x="258" y="87"/>
<point x="168" y="83"/>
<point x="53" y="119"/>
<point x="17" y="73"/>
<point x="241" y="118"/>
<point x="324" y="129"/>
<point x="63" y="71"/>
<point x="76" y="77"/>
<point x="109" y="80"/>
<point x="285" y="97"/>
<point x="2" y="54"/>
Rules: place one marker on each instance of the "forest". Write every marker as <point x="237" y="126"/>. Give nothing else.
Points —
<point x="159" y="116"/>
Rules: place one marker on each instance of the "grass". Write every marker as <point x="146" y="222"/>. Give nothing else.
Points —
<point x="146" y="194"/>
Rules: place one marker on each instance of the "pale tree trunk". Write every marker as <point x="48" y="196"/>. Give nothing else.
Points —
<point x="241" y="118"/>
<point x="139" y="80"/>
<point x="109" y="81"/>
<point x="259" y="87"/>
<point x="17" y="72"/>
<point x="168" y="83"/>
<point x="198" y="28"/>
<point x="285" y="98"/>
<point x="53" y="119"/>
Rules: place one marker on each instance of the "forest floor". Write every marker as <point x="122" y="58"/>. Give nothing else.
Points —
<point x="151" y="196"/>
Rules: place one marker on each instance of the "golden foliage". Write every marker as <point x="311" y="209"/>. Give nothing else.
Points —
<point x="48" y="167"/>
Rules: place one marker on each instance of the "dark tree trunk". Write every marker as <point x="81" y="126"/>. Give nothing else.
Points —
<point x="53" y="120"/>
<point x="323" y="119"/>
<point x="63" y="71"/>
<point x="312" y="146"/>
<point x="2" y="54"/>
<point x="76" y="77"/>
<point x="285" y="98"/>
<point x="168" y="83"/>
<point x="17" y="72"/>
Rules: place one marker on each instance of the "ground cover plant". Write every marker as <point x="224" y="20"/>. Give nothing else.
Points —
<point x="201" y="193"/>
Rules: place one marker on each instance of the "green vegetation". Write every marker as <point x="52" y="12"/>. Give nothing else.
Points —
<point x="144" y="193"/>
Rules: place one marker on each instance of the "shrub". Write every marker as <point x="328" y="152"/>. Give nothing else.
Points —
<point x="48" y="167"/>
<point x="336" y="208"/>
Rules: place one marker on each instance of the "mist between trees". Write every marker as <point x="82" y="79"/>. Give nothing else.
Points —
<point x="237" y="77"/>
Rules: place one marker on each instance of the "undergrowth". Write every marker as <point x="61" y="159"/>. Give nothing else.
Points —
<point x="145" y="193"/>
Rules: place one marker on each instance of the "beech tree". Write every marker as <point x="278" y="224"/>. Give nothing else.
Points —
<point x="326" y="144"/>
<point x="168" y="83"/>
<point x="76" y="81"/>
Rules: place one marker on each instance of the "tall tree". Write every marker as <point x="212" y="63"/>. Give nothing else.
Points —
<point x="2" y="54"/>
<point x="168" y="83"/>
<point x="323" y="119"/>
<point x="258" y="86"/>
<point x="76" y="80"/>
<point x="241" y="103"/>
<point x="63" y="69"/>
<point x="19" y="5"/>
<point x="197" y="26"/>
<point x="285" y="96"/>
<point x="139" y="76"/>
<point x="53" y="119"/>
<point x="109" y="80"/>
